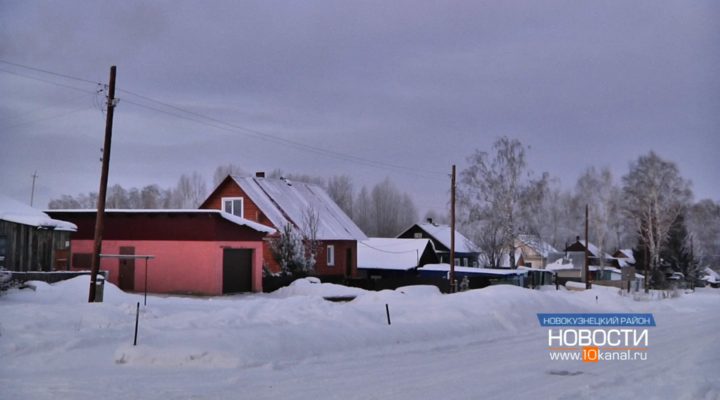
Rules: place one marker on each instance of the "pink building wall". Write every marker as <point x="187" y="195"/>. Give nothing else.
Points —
<point x="189" y="267"/>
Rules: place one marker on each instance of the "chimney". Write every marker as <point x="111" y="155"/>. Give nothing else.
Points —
<point x="260" y="174"/>
<point x="577" y="238"/>
<point x="429" y="221"/>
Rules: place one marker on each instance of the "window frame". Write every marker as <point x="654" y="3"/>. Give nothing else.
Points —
<point x="330" y="255"/>
<point x="232" y="201"/>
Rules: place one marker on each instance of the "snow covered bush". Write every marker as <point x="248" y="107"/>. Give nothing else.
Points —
<point x="290" y="251"/>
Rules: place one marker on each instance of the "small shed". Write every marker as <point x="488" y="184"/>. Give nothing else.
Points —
<point x="31" y="240"/>
<point x="205" y="252"/>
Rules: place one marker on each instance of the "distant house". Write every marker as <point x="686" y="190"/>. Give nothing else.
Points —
<point x="386" y="257"/>
<point x="31" y="240"/>
<point x="206" y="252"/>
<point x="533" y="251"/>
<point x="625" y="257"/>
<point x="594" y="254"/>
<point x="279" y="202"/>
<point x="466" y="254"/>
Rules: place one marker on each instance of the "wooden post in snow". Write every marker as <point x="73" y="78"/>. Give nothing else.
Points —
<point x="102" y="193"/>
<point x="452" y="232"/>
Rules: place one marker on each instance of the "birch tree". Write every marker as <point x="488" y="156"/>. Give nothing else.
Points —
<point x="490" y="191"/>
<point x="654" y="196"/>
<point x="595" y="189"/>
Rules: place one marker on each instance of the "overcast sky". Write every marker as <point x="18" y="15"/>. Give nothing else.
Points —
<point x="409" y="88"/>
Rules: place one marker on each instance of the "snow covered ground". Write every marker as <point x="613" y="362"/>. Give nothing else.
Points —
<point x="292" y="344"/>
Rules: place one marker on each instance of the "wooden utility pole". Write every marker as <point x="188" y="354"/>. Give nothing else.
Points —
<point x="587" y="244"/>
<point x="32" y="191"/>
<point x="452" y="232"/>
<point x="102" y="193"/>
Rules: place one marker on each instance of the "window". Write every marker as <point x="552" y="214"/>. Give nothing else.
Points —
<point x="331" y="256"/>
<point x="418" y="235"/>
<point x="233" y="205"/>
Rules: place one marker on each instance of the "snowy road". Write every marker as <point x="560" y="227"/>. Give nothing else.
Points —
<point x="486" y="344"/>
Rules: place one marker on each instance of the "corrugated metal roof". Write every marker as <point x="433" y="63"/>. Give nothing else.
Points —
<point x="285" y="202"/>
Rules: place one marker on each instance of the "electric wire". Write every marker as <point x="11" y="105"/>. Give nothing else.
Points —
<point x="220" y="124"/>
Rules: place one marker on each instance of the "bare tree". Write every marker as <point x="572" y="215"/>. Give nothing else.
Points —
<point x="340" y="189"/>
<point x="116" y="197"/>
<point x="222" y="171"/>
<point x="151" y="197"/>
<point x="190" y="191"/>
<point x="364" y="213"/>
<point x="309" y="230"/>
<point x="654" y="196"/>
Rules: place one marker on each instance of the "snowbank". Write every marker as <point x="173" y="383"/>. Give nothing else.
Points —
<point x="313" y="287"/>
<point x="52" y="342"/>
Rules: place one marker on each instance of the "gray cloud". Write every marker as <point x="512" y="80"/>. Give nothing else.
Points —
<point x="420" y="84"/>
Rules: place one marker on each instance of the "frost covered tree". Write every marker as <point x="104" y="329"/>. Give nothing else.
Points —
<point x="595" y="188"/>
<point x="289" y="251"/>
<point x="296" y="249"/>
<point x="492" y="192"/>
<point x="654" y="195"/>
<point x="703" y="223"/>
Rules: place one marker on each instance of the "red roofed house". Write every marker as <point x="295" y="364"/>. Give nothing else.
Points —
<point x="278" y="202"/>
<point x="206" y="252"/>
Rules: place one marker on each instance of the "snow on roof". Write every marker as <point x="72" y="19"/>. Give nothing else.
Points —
<point x="559" y="264"/>
<point x="539" y="246"/>
<point x="12" y="210"/>
<point x="285" y="202"/>
<point x="471" y="270"/>
<point x="229" y="217"/>
<point x="711" y="275"/>
<point x="390" y="253"/>
<point x="594" y="250"/>
<point x="629" y="255"/>
<point x="441" y="233"/>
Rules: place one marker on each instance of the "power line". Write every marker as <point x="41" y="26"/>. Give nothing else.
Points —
<point x="49" y="82"/>
<point x="204" y="119"/>
<point x="40" y="109"/>
<point x="280" y="140"/>
<point x="49" y="72"/>
<point x="64" y="114"/>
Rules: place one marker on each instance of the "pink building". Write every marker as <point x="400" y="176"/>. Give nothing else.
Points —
<point x="204" y="252"/>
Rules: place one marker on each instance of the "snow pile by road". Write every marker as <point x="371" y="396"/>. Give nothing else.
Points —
<point x="289" y="344"/>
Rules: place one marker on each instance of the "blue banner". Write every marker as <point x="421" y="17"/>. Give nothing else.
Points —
<point x="597" y="320"/>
